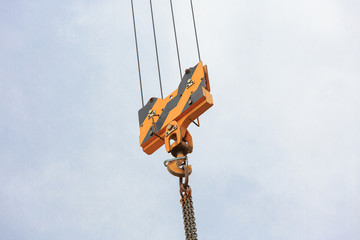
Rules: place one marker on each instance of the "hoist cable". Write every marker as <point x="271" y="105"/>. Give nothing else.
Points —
<point x="197" y="42"/>
<point x="137" y="53"/>
<point x="156" y="49"/>
<point x="177" y="47"/>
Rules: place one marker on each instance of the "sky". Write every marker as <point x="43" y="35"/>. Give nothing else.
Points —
<point x="276" y="157"/>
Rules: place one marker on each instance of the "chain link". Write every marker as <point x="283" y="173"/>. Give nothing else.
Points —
<point x="188" y="215"/>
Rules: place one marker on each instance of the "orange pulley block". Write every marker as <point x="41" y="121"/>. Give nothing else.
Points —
<point x="163" y="120"/>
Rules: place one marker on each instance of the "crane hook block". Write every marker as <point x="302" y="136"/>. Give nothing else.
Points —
<point x="191" y="99"/>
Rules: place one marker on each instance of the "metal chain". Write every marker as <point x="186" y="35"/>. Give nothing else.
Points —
<point x="186" y="196"/>
<point x="188" y="214"/>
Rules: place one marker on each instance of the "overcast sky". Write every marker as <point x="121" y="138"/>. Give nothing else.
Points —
<point x="276" y="157"/>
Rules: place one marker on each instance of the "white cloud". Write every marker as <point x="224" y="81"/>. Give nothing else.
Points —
<point x="276" y="157"/>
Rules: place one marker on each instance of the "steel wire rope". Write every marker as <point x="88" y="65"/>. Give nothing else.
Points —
<point x="137" y="53"/>
<point x="156" y="49"/>
<point x="196" y="37"/>
<point x="177" y="46"/>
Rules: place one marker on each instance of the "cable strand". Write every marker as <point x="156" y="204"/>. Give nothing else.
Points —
<point x="177" y="46"/>
<point x="156" y="49"/>
<point x="137" y="53"/>
<point x="197" y="41"/>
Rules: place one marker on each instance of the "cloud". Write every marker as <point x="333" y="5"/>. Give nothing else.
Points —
<point x="276" y="157"/>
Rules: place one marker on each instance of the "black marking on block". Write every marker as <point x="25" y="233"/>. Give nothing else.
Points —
<point x="195" y="96"/>
<point x="172" y="103"/>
